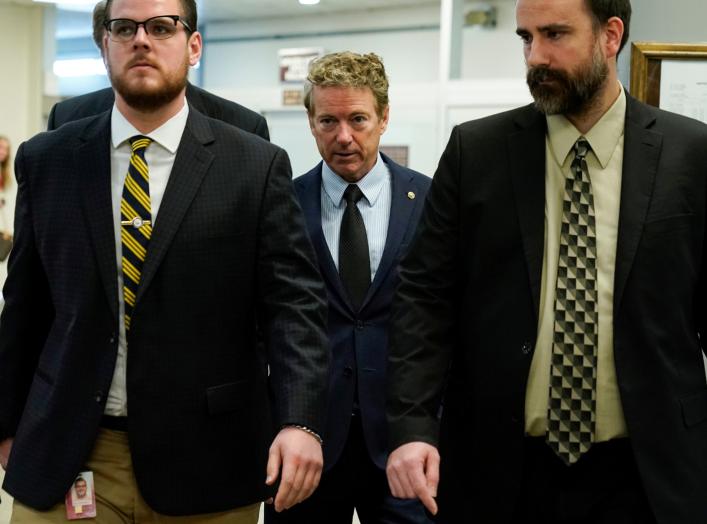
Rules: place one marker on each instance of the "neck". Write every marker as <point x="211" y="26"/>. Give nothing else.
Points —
<point x="147" y="121"/>
<point x="605" y="98"/>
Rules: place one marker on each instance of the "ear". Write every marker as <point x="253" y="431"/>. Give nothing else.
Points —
<point x="384" y="119"/>
<point x="195" y="46"/>
<point x="104" y="48"/>
<point x="613" y="32"/>
<point x="310" y="119"/>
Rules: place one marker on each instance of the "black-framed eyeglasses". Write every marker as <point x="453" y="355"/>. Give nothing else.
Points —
<point x="157" y="27"/>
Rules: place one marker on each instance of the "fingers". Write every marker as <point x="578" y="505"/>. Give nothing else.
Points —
<point x="300" y="456"/>
<point x="291" y="484"/>
<point x="418" y="481"/>
<point x="273" y="467"/>
<point x="432" y="473"/>
<point x="413" y="472"/>
<point x="311" y="481"/>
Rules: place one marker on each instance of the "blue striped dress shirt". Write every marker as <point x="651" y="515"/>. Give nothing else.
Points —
<point x="374" y="208"/>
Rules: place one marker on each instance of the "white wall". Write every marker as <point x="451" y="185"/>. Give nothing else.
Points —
<point x="681" y="21"/>
<point x="20" y="82"/>
<point x="241" y="63"/>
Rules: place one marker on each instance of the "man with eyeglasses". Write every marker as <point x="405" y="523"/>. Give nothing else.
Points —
<point x="203" y="101"/>
<point x="150" y="241"/>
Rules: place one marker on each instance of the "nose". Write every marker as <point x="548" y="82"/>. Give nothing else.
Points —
<point x="536" y="54"/>
<point x="141" y="38"/>
<point x="343" y="137"/>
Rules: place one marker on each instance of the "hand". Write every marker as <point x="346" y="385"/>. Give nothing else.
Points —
<point x="5" y="447"/>
<point x="413" y="472"/>
<point x="300" y="456"/>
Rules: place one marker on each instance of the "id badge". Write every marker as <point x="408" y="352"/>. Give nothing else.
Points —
<point x="81" y="499"/>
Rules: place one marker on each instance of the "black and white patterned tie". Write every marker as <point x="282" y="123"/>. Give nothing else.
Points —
<point x="571" y="416"/>
<point x="354" y="261"/>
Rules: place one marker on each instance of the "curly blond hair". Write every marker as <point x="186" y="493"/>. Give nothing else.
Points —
<point x="347" y="69"/>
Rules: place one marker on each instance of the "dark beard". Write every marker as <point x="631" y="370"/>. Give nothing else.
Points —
<point x="571" y="94"/>
<point x="149" y="100"/>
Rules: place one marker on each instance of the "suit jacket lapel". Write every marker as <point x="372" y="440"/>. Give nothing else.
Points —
<point x="92" y="160"/>
<point x="641" y="153"/>
<point x="527" y="154"/>
<point x="312" y="207"/>
<point x="190" y="166"/>
<point x="401" y="207"/>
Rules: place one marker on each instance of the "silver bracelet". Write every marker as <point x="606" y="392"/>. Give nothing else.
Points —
<point x="307" y="430"/>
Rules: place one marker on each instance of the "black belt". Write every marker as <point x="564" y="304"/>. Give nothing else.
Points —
<point x="114" y="423"/>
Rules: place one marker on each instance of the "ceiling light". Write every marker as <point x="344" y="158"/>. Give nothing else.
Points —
<point x="71" y="5"/>
<point x="79" y="67"/>
<point x="309" y="2"/>
<point x="68" y="2"/>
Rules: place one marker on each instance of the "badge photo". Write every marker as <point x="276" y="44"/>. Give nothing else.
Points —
<point x="81" y="498"/>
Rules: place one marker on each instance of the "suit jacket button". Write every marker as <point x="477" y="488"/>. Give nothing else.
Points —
<point x="348" y="371"/>
<point x="99" y="397"/>
<point x="112" y="339"/>
<point x="526" y="348"/>
<point x="359" y="325"/>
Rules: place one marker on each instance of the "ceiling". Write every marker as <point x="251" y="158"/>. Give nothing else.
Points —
<point x="210" y="10"/>
<point x="249" y="9"/>
<point x="74" y="19"/>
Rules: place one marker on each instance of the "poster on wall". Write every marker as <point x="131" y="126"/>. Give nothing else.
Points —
<point x="683" y="88"/>
<point x="294" y="63"/>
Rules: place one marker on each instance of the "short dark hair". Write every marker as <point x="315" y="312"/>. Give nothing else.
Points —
<point x="189" y="16"/>
<point x="602" y="10"/>
<point x="99" y="19"/>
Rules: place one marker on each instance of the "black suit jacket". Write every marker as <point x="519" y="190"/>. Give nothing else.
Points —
<point x="358" y="340"/>
<point x="229" y="247"/>
<point x="467" y="309"/>
<point x="207" y="103"/>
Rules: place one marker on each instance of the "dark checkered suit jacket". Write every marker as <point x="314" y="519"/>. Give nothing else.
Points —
<point x="207" y="103"/>
<point x="229" y="248"/>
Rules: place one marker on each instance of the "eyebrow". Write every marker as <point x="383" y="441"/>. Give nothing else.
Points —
<point x="545" y="29"/>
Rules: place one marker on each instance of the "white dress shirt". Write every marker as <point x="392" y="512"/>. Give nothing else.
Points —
<point x="160" y="157"/>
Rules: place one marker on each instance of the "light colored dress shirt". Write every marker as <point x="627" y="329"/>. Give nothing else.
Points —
<point x="374" y="208"/>
<point x="160" y="157"/>
<point x="604" y="163"/>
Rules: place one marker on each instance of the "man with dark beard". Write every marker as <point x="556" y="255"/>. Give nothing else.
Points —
<point x="149" y="241"/>
<point x="554" y="297"/>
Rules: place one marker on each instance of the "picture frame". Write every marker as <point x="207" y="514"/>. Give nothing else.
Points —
<point x="646" y="65"/>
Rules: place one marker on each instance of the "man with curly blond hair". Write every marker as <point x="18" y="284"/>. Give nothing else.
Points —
<point x="361" y="210"/>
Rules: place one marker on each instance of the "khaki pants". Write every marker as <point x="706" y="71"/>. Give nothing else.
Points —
<point x="118" y="500"/>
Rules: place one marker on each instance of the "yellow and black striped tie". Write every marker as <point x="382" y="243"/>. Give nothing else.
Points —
<point x="135" y="221"/>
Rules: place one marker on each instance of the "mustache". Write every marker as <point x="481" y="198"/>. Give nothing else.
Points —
<point x="141" y="60"/>
<point x="539" y="74"/>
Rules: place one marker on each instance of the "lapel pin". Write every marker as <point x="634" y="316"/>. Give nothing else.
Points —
<point x="411" y="195"/>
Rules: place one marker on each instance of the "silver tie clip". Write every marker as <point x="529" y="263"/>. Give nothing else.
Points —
<point x="136" y="222"/>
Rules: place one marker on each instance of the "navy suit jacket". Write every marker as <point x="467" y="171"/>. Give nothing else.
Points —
<point x="229" y="249"/>
<point x="207" y="103"/>
<point x="359" y="340"/>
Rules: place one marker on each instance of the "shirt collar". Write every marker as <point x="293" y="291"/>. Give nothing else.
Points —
<point x="603" y="137"/>
<point x="370" y="185"/>
<point x="168" y="135"/>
